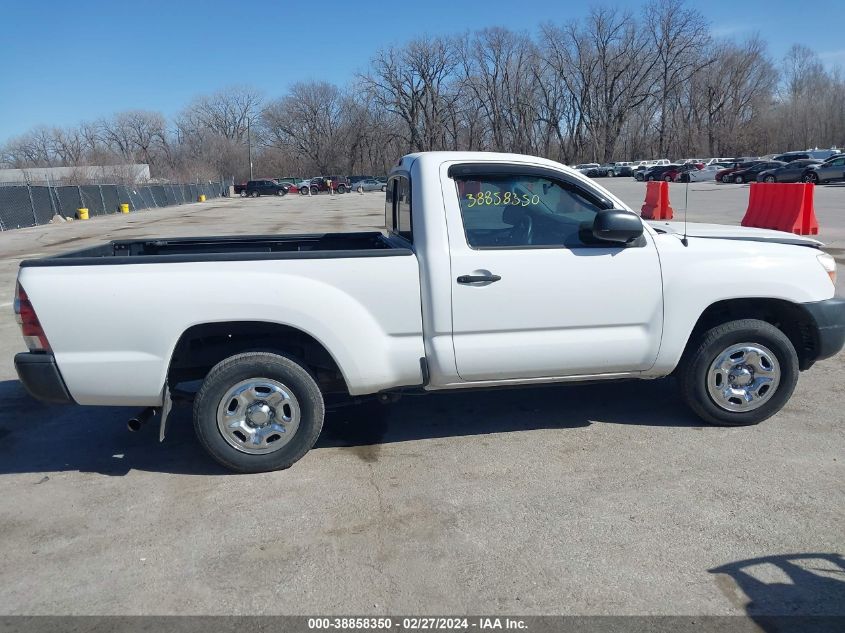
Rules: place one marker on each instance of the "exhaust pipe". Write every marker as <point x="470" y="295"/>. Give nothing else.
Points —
<point x="141" y="419"/>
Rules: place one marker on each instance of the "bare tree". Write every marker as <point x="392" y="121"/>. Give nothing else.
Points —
<point x="416" y="84"/>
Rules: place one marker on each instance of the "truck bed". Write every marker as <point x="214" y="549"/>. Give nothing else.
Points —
<point x="229" y="248"/>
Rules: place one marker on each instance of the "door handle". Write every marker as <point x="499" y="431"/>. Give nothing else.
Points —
<point x="474" y="279"/>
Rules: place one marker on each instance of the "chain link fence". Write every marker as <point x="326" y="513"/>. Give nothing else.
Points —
<point x="29" y="205"/>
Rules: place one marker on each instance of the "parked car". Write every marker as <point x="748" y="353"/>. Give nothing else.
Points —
<point x="749" y="174"/>
<point x="830" y="170"/>
<point x="602" y="171"/>
<point x="292" y="186"/>
<point x="790" y="172"/>
<point x="585" y="167"/>
<point x="788" y="157"/>
<point x="370" y="184"/>
<point x="340" y="184"/>
<point x="674" y="172"/>
<point x="450" y="298"/>
<point x="706" y="173"/>
<point x="656" y="172"/>
<point x="623" y="168"/>
<point x="266" y="187"/>
<point x="724" y="175"/>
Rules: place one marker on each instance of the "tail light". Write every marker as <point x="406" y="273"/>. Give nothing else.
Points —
<point x="33" y="333"/>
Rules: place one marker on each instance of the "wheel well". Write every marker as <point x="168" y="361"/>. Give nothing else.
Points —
<point x="788" y="317"/>
<point x="201" y="347"/>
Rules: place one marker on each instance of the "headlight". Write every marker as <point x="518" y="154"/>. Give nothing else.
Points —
<point x="829" y="264"/>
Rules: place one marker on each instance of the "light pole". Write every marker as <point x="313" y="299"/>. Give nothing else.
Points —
<point x="249" y="147"/>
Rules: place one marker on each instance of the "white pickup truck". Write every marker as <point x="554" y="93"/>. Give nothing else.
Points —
<point x="494" y="270"/>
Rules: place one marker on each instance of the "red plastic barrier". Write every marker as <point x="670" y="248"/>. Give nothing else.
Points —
<point x="782" y="207"/>
<point x="656" y="205"/>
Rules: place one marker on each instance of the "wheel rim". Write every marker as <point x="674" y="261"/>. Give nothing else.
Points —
<point x="258" y="416"/>
<point x="743" y="377"/>
<point x="770" y="178"/>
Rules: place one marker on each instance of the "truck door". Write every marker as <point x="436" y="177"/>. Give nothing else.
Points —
<point x="533" y="294"/>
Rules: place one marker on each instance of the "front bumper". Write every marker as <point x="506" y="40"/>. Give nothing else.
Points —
<point x="828" y="316"/>
<point x="41" y="378"/>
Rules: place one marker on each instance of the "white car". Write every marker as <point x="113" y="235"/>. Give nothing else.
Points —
<point x="706" y="173"/>
<point x="495" y="270"/>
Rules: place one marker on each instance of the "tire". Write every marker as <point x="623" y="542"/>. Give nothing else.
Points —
<point x="384" y="188"/>
<point x="256" y="374"/>
<point x="243" y="193"/>
<point x="341" y="189"/>
<point x="281" y="192"/>
<point x="303" y="191"/>
<point x="738" y="180"/>
<point x="811" y="177"/>
<point x="610" y="174"/>
<point x="769" y="179"/>
<point x="255" y="194"/>
<point x="698" y="373"/>
<point x="667" y="178"/>
<point x="651" y="178"/>
<point x="726" y="179"/>
<point x="315" y="191"/>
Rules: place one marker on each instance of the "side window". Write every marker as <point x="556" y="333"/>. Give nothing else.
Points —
<point x="403" y="208"/>
<point x="389" y="223"/>
<point x="520" y="210"/>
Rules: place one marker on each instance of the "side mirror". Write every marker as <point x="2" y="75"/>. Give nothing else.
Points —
<point x="616" y="225"/>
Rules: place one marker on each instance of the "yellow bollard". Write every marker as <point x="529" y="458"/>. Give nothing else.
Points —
<point x="82" y="213"/>
<point x="124" y="208"/>
<point x="201" y="198"/>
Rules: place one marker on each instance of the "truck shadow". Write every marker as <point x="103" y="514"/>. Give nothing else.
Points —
<point x="788" y="592"/>
<point x="95" y="439"/>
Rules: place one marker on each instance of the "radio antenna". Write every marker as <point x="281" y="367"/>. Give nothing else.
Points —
<point x="684" y="239"/>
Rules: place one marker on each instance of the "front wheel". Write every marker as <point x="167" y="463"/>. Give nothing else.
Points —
<point x="341" y="189"/>
<point x="769" y="179"/>
<point x="738" y="180"/>
<point x="315" y="191"/>
<point x="667" y="178"/>
<point x="257" y="412"/>
<point x="255" y="194"/>
<point x="726" y="179"/>
<point x="739" y="373"/>
<point x="811" y="177"/>
<point x="384" y="188"/>
<point x="243" y="193"/>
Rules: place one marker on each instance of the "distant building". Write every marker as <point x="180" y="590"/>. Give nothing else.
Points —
<point x="130" y="173"/>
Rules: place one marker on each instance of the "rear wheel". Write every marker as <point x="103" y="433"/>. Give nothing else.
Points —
<point x="315" y="191"/>
<point x="769" y="179"/>
<point x="243" y="193"/>
<point x="257" y="412"/>
<point x="738" y="180"/>
<point x="383" y="188"/>
<point x="739" y="373"/>
<point x="255" y="194"/>
<point x="667" y="178"/>
<point x="812" y="177"/>
<point x="341" y="189"/>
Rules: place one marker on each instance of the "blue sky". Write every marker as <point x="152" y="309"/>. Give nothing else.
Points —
<point x="67" y="61"/>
